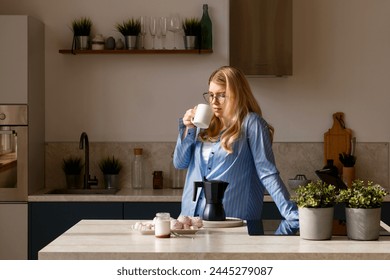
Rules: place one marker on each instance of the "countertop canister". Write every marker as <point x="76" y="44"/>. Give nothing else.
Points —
<point x="162" y="225"/>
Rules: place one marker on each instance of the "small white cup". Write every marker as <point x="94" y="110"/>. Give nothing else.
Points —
<point x="203" y="116"/>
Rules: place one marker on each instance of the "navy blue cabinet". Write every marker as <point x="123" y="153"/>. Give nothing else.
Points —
<point x="148" y="210"/>
<point x="48" y="220"/>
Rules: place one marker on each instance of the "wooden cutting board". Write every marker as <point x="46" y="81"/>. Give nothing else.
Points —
<point x="337" y="140"/>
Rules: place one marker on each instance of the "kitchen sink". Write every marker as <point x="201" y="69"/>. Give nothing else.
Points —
<point x="83" y="191"/>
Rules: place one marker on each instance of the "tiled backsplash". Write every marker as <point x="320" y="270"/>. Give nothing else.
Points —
<point x="372" y="161"/>
<point x="291" y="159"/>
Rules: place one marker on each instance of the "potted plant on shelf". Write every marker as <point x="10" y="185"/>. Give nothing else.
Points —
<point x="363" y="203"/>
<point x="192" y="28"/>
<point x="81" y="31"/>
<point x="130" y="29"/>
<point x="72" y="167"/>
<point x="315" y="203"/>
<point x="110" y="166"/>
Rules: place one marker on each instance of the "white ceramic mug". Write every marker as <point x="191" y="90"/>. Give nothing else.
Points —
<point x="203" y="116"/>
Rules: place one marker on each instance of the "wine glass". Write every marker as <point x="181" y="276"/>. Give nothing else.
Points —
<point x="174" y="26"/>
<point x="143" y="22"/>
<point x="153" y="28"/>
<point x="163" y="26"/>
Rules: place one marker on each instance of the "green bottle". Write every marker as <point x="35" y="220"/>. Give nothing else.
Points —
<point x="206" y="30"/>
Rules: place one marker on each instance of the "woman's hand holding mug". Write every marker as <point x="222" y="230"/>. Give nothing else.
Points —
<point x="188" y="116"/>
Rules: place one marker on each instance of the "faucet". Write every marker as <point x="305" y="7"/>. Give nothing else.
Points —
<point x="87" y="178"/>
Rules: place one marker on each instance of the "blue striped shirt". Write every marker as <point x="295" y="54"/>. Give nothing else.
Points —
<point x="249" y="170"/>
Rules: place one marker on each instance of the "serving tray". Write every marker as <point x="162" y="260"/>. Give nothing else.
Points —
<point x="229" y="222"/>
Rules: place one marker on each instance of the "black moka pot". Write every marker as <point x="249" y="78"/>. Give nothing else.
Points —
<point x="214" y="192"/>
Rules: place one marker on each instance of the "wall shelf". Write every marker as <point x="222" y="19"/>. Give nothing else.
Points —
<point x="137" y="51"/>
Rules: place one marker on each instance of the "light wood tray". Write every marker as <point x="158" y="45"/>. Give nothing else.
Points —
<point x="229" y="222"/>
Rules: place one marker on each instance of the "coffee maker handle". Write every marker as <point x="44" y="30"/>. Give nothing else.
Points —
<point x="196" y="186"/>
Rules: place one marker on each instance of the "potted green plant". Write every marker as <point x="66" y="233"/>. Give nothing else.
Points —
<point x="110" y="166"/>
<point x="363" y="202"/>
<point x="81" y="31"/>
<point x="192" y="28"/>
<point x="315" y="203"/>
<point x="130" y="29"/>
<point x="72" y="167"/>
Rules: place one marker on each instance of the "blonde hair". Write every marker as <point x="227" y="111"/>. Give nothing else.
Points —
<point x="241" y="102"/>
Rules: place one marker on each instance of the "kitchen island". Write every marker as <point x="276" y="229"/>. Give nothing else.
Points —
<point x="114" y="239"/>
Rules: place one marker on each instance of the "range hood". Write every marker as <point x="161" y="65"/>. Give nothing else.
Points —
<point x="261" y="36"/>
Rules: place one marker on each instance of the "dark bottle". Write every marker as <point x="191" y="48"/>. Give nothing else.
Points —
<point x="157" y="180"/>
<point x="206" y="34"/>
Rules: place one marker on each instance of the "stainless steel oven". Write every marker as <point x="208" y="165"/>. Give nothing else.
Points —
<point x="13" y="153"/>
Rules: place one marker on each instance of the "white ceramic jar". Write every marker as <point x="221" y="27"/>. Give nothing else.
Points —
<point x="162" y="225"/>
<point x="98" y="42"/>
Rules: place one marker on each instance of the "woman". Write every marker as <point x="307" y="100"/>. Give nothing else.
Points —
<point x="236" y="148"/>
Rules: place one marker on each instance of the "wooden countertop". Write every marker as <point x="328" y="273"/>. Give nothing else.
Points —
<point x="114" y="239"/>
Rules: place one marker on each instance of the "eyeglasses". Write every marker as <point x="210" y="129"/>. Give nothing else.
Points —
<point x="209" y="97"/>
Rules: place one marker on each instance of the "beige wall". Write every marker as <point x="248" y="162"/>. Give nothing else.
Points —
<point x="120" y="97"/>
<point x="341" y="63"/>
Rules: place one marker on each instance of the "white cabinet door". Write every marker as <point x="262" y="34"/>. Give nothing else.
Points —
<point x="13" y="59"/>
<point x="13" y="231"/>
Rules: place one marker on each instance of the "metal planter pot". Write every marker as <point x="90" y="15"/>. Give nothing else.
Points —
<point x="111" y="181"/>
<point x="190" y="42"/>
<point x="82" y="42"/>
<point x="131" y="42"/>
<point x="363" y="224"/>
<point x="316" y="223"/>
<point x="73" y="181"/>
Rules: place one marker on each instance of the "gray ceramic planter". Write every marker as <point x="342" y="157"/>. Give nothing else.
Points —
<point x="316" y="223"/>
<point x="363" y="224"/>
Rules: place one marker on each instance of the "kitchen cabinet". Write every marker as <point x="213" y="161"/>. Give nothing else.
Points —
<point x="13" y="231"/>
<point x="48" y="220"/>
<point x="261" y="36"/>
<point x="22" y="98"/>
<point x="132" y="210"/>
<point x="22" y="60"/>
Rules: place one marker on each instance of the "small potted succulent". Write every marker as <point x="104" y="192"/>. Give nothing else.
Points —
<point x="72" y="167"/>
<point x="315" y="203"/>
<point x="363" y="202"/>
<point x="110" y="166"/>
<point x="130" y="29"/>
<point x="192" y="28"/>
<point x="81" y="31"/>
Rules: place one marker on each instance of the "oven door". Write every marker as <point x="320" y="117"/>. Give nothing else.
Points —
<point x="13" y="163"/>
